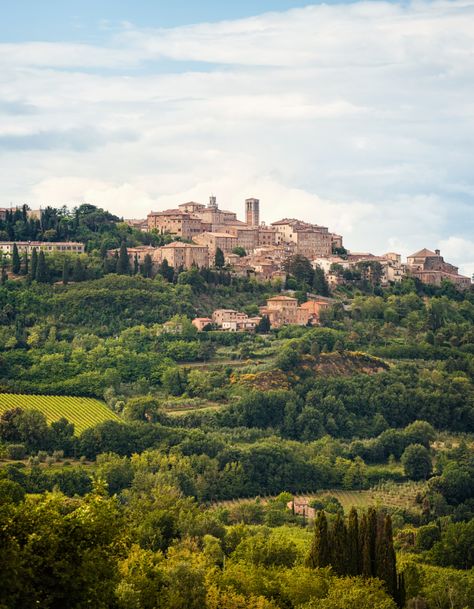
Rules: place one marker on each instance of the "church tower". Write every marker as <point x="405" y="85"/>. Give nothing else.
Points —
<point x="252" y="212"/>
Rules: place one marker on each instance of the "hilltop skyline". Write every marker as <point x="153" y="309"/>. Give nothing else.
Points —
<point x="355" y="116"/>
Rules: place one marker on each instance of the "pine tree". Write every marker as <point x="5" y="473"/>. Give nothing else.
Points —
<point x="42" y="273"/>
<point x="16" y="262"/>
<point x="123" y="263"/>
<point x="219" y="259"/>
<point x="65" y="271"/>
<point x="353" y="547"/>
<point x="385" y="560"/>
<point x="339" y="546"/>
<point x="320" y="553"/>
<point x="34" y="263"/>
<point x="147" y="268"/>
<point x="25" y="264"/>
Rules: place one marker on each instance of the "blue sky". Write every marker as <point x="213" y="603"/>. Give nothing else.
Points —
<point x="358" y="115"/>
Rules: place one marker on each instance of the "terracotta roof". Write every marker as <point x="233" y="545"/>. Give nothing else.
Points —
<point x="287" y="298"/>
<point x="423" y="254"/>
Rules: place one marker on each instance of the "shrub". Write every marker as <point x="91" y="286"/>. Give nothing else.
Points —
<point x="16" y="451"/>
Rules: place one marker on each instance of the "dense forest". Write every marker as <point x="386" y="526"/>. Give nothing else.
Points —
<point x="322" y="467"/>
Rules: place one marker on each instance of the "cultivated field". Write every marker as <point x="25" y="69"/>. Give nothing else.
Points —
<point x="83" y="412"/>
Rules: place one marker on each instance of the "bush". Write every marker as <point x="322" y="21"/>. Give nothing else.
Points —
<point x="426" y="537"/>
<point x="16" y="451"/>
<point x="416" y="461"/>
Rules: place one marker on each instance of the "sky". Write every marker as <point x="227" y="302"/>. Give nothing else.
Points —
<point x="355" y="115"/>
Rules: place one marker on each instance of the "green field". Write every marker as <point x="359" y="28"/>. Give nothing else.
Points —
<point x="83" y="412"/>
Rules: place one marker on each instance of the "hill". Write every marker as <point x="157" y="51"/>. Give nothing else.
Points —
<point x="83" y="412"/>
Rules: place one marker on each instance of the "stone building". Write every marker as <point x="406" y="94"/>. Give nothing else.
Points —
<point x="176" y="222"/>
<point x="211" y="215"/>
<point x="311" y="240"/>
<point x="223" y="241"/>
<point x="430" y="268"/>
<point x="182" y="255"/>
<point x="252" y="212"/>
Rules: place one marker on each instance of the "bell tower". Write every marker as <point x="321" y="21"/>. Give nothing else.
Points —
<point x="252" y="212"/>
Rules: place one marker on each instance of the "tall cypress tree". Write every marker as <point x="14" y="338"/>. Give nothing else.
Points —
<point x="25" y="264"/>
<point x="4" y="275"/>
<point x="364" y="548"/>
<point x="354" y="566"/>
<point x="339" y="555"/>
<point x="123" y="262"/>
<point x="65" y="271"/>
<point x="147" y="268"/>
<point x="16" y="262"/>
<point x="136" y="266"/>
<point x="219" y="259"/>
<point x="385" y="560"/>
<point x="42" y="274"/>
<point x="34" y="263"/>
<point x="320" y="553"/>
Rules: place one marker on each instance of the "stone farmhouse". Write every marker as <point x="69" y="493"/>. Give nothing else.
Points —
<point x="71" y="247"/>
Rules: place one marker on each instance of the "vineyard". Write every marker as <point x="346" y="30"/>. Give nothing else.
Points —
<point x="83" y="412"/>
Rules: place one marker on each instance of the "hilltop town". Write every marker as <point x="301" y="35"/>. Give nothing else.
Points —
<point x="206" y="236"/>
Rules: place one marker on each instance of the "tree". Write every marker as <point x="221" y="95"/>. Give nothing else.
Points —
<point x="42" y="273"/>
<point x="263" y="326"/>
<point x="147" y="268"/>
<point x="219" y="259"/>
<point x="320" y="552"/>
<point x="300" y="268"/>
<point x="25" y="263"/>
<point x="136" y="265"/>
<point x="386" y="569"/>
<point x="34" y="263"/>
<point x="416" y="461"/>
<point x="123" y="262"/>
<point x="240" y="251"/>
<point x="174" y="381"/>
<point x="16" y="262"/>
<point x="339" y="546"/>
<point x="320" y="284"/>
<point x="78" y="271"/>
<point x="353" y="551"/>
<point x="65" y="271"/>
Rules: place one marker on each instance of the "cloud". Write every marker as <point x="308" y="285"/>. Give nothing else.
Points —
<point x="357" y="116"/>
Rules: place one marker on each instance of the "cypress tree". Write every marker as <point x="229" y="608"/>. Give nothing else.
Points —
<point x="339" y="556"/>
<point x="401" y="591"/>
<point x="219" y="260"/>
<point x="4" y="274"/>
<point x="320" y="553"/>
<point x="386" y="567"/>
<point x="42" y="269"/>
<point x="364" y="548"/>
<point x="372" y="525"/>
<point x="136" y="266"/>
<point x="147" y="268"/>
<point x="353" y="547"/>
<point x="78" y="271"/>
<point x="34" y="263"/>
<point x="123" y="262"/>
<point x="16" y="262"/>
<point x="65" y="271"/>
<point x="25" y="263"/>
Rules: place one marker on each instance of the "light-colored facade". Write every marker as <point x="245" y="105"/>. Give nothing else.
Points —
<point x="176" y="222"/>
<point x="201" y="322"/>
<point x="182" y="255"/>
<point x="71" y="247"/>
<point x="310" y="240"/>
<point x="222" y="316"/>
<point x="223" y="241"/>
<point x="284" y="310"/>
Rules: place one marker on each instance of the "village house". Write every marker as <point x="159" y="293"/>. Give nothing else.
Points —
<point x="201" y="322"/>
<point x="429" y="267"/>
<point x="311" y="240"/>
<point x="182" y="255"/>
<point x="176" y="222"/>
<point x="284" y="310"/>
<point x="223" y="241"/>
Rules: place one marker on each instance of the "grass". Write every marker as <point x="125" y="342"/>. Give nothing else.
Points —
<point x="83" y="412"/>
